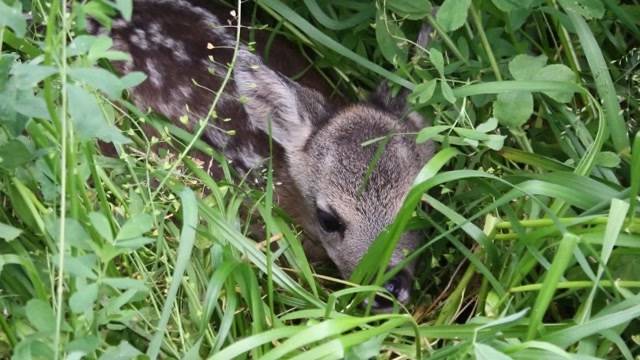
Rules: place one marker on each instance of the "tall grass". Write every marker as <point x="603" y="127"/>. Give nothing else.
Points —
<point x="532" y="233"/>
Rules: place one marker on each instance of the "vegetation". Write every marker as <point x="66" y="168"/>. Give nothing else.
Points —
<point x="532" y="236"/>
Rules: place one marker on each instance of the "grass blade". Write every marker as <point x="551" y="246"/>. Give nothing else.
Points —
<point x="325" y="40"/>
<point x="251" y="342"/>
<point x="558" y="266"/>
<point x="187" y="239"/>
<point x="603" y="82"/>
<point x="325" y="329"/>
<point x="499" y="87"/>
<point x="570" y="335"/>
<point x="635" y="176"/>
<point x="617" y="214"/>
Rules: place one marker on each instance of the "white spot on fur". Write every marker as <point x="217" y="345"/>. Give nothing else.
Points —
<point x="249" y="157"/>
<point x="180" y="52"/>
<point x="185" y="91"/>
<point x="203" y="19"/>
<point x="128" y="66"/>
<point x="170" y="109"/>
<point x="177" y="48"/>
<point x="121" y="45"/>
<point x="217" y="137"/>
<point x="154" y="75"/>
<point x="246" y="156"/>
<point x="139" y="38"/>
<point x="155" y="32"/>
<point x="119" y="24"/>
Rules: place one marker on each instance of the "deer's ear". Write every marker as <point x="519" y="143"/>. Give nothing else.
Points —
<point x="397" y="104"/>
<point x="274" y="104"/>
<point x="393" y="102"/>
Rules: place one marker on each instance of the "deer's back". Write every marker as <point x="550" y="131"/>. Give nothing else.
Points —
<point x="185" y="48"/>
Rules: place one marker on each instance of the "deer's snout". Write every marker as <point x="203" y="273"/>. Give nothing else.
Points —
<point x="399" y="286"/>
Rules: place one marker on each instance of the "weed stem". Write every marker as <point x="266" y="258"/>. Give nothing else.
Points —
<point x="485" y="42"/>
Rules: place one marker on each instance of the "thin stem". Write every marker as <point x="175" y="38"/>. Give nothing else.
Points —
<point x="581" y="284"/>
<point x="1" y="37"/>
<point x="63" y="183"/>
<point x="566" y="42"/>
<point x="536" y="223"/>
<point x="522" y="140"/>
<point x="204" y="122"/>
<point x="450" y="307"/>
<point x="485" y="42"/>
<point x="447" y="40"/>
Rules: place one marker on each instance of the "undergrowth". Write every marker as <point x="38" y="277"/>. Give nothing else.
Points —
<point x="531" y="233"/>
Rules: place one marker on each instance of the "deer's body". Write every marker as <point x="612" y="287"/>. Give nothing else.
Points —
<point x="319" y="159"/>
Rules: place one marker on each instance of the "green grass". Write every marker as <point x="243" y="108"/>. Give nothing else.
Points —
<point x="532" y="237"/>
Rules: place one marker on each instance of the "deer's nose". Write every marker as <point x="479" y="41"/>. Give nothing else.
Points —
<point x="399" y="286"/>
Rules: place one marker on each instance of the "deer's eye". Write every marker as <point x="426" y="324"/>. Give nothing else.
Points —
<point x="329" y="221"/>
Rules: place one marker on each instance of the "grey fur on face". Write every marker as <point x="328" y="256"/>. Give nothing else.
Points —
<point x="328" y="162"/>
